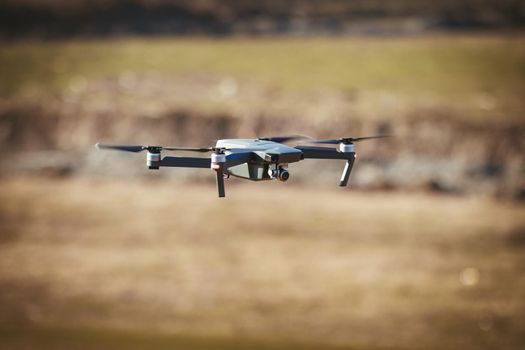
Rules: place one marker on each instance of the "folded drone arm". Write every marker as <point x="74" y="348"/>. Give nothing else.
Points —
<point x="201" y="162"/>
<point x="314" y="152"/>
<point x="185" y="162"/>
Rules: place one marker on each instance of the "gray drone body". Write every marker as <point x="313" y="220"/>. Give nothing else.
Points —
<point x="267" y="161"/>
<point x="252" y="159"/>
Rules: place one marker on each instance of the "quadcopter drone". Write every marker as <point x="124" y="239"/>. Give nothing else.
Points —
<point x="264" y="158"/>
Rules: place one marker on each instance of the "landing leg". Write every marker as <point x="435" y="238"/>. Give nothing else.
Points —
<point x="220" y="181"/>
<point x="346" y="172"/>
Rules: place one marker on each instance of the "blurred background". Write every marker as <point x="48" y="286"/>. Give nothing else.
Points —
<point x="425" y="249"/>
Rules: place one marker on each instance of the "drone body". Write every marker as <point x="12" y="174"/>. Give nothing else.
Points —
<point x="253" y="159"/>
<point x="262" y="156"/>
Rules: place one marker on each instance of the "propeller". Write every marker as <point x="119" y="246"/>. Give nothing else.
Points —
<point x="284" y="138"/>
<point x="133" y="148"/>
<point x="127" y="148"/>
<point x="348" y="140"/>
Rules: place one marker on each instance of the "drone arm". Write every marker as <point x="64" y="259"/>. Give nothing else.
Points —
<point x="331" y="153"/>
<point x="314" y="152"/>
<point x="185" y="162"/>
<point x="201" y="162"/>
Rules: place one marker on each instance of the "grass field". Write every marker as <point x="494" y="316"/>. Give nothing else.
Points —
<point x="102" y="264"/>
<point x="478" y="74"/>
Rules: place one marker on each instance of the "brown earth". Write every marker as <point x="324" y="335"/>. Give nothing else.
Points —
<point x="313" y="266"/>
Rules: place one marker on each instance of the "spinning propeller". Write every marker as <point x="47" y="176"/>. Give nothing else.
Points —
<point x="285" y="138"/>
<point x="348" y="140"/>
<point x="156" y="149"/>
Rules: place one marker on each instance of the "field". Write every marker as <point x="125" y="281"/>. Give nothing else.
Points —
<point x="92" y="263"/>
<point x="477" y="76"/>
<point x="425" y="251"/>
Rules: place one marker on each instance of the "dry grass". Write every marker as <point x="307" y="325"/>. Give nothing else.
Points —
<point x="269" y="262"/>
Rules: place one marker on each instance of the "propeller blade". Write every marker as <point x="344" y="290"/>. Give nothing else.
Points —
<point x="132" y="148"/>
<point x="127" y="148"/>
<point x="285" y="138"/>
<point x="348" y="139"/>
<point x="356" y="139"/>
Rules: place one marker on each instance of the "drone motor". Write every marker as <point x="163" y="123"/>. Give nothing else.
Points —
<point x="153" y="160"/>
<point x="346" y="147"/>
<point x="217" y="159"/>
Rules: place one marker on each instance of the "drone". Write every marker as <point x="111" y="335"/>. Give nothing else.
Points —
<point x="260" y="159"/>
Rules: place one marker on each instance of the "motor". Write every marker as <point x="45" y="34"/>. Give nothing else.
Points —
<point x="153" y="160"/>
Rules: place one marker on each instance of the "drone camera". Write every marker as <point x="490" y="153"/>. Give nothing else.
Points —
<point x="279" y="173"/>
<point x="284" y="175"/>
<point x="153" y="160"/>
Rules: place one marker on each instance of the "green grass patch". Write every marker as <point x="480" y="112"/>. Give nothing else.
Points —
<point x="443" y="66"/>
<point x="57" y="338"/>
